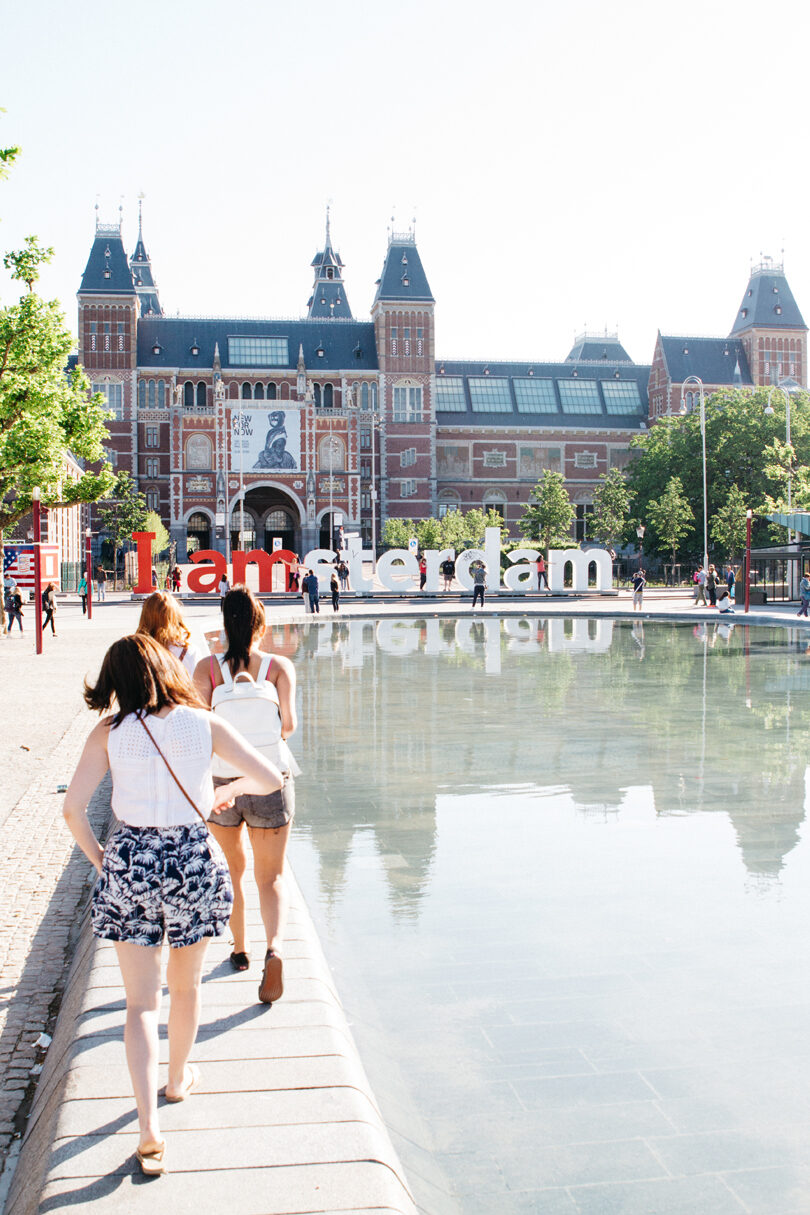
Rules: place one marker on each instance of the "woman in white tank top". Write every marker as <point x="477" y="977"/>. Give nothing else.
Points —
<point x="161" y="872"/>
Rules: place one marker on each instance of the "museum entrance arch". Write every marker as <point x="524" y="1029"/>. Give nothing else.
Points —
<point x="273" y="514"/>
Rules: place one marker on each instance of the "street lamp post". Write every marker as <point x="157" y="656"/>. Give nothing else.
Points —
<point x="37" y="505"/>
<point x="88" y="554"/>
<point x="640" y="530"/>
<point x="373" y="422"/>
<point x="749" y="514"/>
<point x="783" y="387"/>
<point x="694" y="379"/>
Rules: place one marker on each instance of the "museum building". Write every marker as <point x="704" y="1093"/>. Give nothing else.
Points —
<point x="283" y="430"/>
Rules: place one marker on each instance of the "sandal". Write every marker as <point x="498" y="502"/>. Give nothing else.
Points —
<point x="189" y="1088"/>
<point x="240" y="961"/>
<point x="151" y="1161"/>
<point x="271" y="987"/>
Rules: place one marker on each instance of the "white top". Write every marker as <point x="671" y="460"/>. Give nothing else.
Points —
<point x="193" y="655"/>
<point x="144" y="794"/>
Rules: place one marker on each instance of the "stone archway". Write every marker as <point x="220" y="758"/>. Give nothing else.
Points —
<point x="276" y="514"/>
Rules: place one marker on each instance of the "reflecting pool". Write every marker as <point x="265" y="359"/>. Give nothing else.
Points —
<point x="560" y="871"/>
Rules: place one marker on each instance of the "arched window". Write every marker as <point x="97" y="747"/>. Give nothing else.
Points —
<point x="285" y="391"/>
<point x="142" y="394"/>
<point x="234" y="391"/>
<point x="258" y="392"/>
<point x="161" y="394"/>
<point x="328" y="396"/>
<point x="151" y="391"/>
<point x="449" y="501"/>
<point x="247" y="395"/>
<point x="199" y="452"/>
<point x="188" y="395"/>
<point x="152" y="499"/>
<point x="317" y="396"/>
<point x="153" y="467"/>
<point x="374" y="396"/>
<point x="495" y="499"/>
<point x="201" y="396"/>
<point x="271" y="392"/>
<point x="198" y="529"/>
<point x="248" y="528"/>
<point x="364" y="397"/>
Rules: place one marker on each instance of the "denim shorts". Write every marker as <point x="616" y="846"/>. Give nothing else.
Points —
<point x="271" y="810"/>
<point x="158" y="881"/>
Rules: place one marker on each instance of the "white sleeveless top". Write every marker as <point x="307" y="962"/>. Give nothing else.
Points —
<point x="144" y="794"/>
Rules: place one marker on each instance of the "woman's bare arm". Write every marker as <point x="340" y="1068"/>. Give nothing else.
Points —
<point x="259" y="776"/>
<point x="89" y="772"/>
<point x="285" y="686"/>
<point x="202" y="679"/>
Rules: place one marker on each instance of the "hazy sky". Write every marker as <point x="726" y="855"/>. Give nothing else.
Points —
<point x="570" y="166"/>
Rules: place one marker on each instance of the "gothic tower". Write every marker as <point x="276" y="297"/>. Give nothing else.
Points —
<point x="771" y="327"/>
<point x="328" y="299"/>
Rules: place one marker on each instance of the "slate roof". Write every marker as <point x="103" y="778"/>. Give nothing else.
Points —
<point x="345" y="344"/>
<point x="594" y="350"/>
<point x="328" y="300"/>
<point x="557" y="419"/>
<point x="107" y="254"/>
<point x="768" y="303"/>
<point x="714" y="360"/>
<point x="403" y="277"/>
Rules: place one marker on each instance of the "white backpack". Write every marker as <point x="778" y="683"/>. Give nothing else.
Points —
<point x="251" y="707"/>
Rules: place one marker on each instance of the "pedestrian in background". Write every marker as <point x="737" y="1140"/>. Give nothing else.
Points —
<point x="448" y="568"/>
<point x="639" y="582"/>
<point x="422" y="572"/>
<point x="101" y="584"/>
<point x="49" y="607"/>
<point x="711" y="585"/>
<point x="541" y="572"/>
<point x="313" y="591"/>
<point x="479" y="583"/>
<point x="176" y="579"/>
<point x="334" y="586"/>
<point x="161" y="619"/>
<point x="223" y="588"/>
<point x="700" y="586"/>
<point x="804" y="594"/>
<point x="161" y="874"/>
<point x="82" y="592"/>
<point x="13" y="605"/>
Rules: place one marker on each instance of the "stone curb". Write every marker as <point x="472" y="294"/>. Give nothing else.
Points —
<point x="284" y="1119"/>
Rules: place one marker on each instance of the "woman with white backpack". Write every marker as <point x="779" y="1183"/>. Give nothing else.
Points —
<point x="255" y="692"/>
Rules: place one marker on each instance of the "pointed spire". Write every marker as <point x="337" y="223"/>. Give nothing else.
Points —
<point x="328" y="297"/>
<point x="141" y="268"/>
<point x="328" y="237"/>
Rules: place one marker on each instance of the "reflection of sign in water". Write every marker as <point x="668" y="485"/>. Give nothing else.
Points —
<point x="266" y="438"/>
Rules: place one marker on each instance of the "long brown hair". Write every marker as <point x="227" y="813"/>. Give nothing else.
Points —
<point x="243" y="618"/>
<point x="161" y="619"/>
<point x="141" y="676"/>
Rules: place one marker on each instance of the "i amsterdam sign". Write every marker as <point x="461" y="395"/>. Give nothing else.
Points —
<point x="397" y="569"/>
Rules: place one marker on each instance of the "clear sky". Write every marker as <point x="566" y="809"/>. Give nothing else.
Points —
<point x="571" y="166"/>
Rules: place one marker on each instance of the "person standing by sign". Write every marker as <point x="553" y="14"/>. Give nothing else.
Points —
<point x="101" y="584"/>
<point x="639" y="582"/>
<point x="312" y="590"/>
<point x="48" y="607"/>
<point x="223" y="588"/>
<point x="334" y="586"/>
<point x="541" y="572"/>
<point x="448" y="568"/>
<point x="479" y="583"/>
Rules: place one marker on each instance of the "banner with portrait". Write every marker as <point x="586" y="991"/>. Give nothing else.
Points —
<point x="265" y="439"/>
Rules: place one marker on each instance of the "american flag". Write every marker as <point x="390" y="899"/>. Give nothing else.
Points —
<point x="18" y="563"/>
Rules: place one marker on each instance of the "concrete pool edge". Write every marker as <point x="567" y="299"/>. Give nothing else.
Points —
<point x="341" y="1159"/>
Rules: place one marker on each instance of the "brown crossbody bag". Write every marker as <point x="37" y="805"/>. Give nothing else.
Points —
<point x="171" y="771"/>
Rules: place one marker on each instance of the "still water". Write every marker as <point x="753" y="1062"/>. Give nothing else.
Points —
<point x="560" y="870"/>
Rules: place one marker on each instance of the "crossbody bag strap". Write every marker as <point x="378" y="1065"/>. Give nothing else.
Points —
<point x="171" y="771"/>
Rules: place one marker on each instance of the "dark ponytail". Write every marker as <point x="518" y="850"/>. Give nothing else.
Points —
<point x="243" y="617"/>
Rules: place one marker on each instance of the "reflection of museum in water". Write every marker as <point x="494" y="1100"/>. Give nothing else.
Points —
<point x="327" y="417"/>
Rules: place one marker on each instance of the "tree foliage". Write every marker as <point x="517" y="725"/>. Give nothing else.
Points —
<point x="161" y="541"/>
<point x="729" y="524"/>
<point x="671" y="515"/>
<point x="44" y="413"/>
<point x="550" y="519"/>
<point x="611" y="508"/>
<point x="124" y="512"/>
<point x="745" y="447"/>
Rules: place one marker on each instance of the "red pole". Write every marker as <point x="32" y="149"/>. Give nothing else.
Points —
<point x="37" y="571"/>
<point x="748" y="516"/>
<point x="89" y="558"/>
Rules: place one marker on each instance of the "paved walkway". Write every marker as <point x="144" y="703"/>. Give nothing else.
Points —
<point x="44" y="730"/>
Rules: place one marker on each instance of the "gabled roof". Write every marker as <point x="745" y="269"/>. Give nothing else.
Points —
<point x="107" y="271"/>
<point x="346" y="345"/>
<point x="713" y="360"/>
<point x="403" y="277"/>
<point x="550" y="375"/>
<point x="768" y="302"/>
<point x="596" y="349"/>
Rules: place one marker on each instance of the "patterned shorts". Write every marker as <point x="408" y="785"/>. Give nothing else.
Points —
<point x="157" y="880"/>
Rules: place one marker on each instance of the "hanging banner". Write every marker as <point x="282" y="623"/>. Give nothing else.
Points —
<point x="265" y="439"/>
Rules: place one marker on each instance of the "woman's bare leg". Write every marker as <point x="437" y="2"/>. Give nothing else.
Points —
<point x="140" y="970"/>
<point x="232" y="842"/>
<point x="183" y="975"/>
<point x="269" y="847"/>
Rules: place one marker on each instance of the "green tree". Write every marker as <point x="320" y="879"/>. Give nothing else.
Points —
<point x="429" y="533"/>
<point x="397" y="532"/>
<point x="125" y="512"/>
<point x="611" y="508"/>
<point x="44" y="413"/>
<point x="671" y="515"/>
<point x="550" y="520"/>
<point x="161" y="541"/>
<point x="729" y="523"/>
<point x="739" y="434"/>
